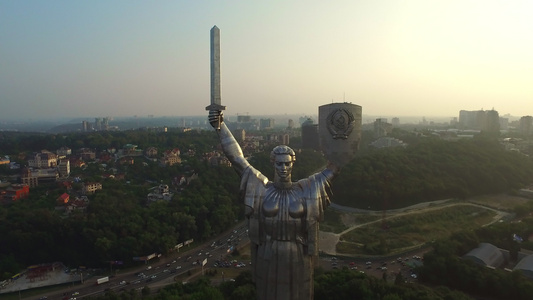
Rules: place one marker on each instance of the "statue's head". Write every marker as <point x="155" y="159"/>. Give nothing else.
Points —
<point x="283" y="158"/>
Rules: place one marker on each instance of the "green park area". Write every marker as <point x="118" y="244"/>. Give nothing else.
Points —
<point x="394" y="234"/>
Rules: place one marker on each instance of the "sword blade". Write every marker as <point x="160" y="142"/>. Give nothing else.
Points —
<point x="215" y="71"/>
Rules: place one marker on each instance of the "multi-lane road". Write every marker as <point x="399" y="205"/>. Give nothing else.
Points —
<point x="162" y="271"/>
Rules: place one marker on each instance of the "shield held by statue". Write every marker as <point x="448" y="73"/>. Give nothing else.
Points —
<point x="339" y="130"/>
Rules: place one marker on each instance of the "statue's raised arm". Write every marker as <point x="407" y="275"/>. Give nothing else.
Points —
<point x="231" y="148"/>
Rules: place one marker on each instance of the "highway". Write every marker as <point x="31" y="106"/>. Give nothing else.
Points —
<point x="162" y="271"/>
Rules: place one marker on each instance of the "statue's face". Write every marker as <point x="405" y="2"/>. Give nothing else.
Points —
<point x="283" y="165"/>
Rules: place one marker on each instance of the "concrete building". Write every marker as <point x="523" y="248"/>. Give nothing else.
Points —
<point x="64" y="168"/>
<point x="91" y="187"/>
<point x="34" y="177"/>
<point x="44" y="159"/>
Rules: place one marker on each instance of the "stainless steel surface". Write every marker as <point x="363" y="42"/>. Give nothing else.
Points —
<point x="215" y="72"/>
<point x="282" y="217"/>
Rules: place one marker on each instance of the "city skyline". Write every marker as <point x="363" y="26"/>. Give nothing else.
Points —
<point x="73" y="59"/>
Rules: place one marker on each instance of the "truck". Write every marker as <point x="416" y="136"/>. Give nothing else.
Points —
<point x="102" y="280"/>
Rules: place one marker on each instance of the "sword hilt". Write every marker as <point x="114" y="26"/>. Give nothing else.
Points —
<point x="216" y="107"/>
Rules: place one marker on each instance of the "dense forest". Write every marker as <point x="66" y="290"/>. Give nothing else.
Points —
<point x="119" y="223"/>
<point x="430" y="169"/>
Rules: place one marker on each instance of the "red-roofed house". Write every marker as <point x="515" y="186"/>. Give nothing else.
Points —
<point x="63" y="199"/>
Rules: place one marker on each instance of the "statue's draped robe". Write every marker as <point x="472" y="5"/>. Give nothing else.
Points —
<point x="283" y="230"/>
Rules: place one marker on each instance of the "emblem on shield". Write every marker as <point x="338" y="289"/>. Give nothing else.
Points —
<point x="340" y="123"/>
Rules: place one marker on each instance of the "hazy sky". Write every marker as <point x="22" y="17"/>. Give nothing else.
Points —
<point x="394" y="58"/>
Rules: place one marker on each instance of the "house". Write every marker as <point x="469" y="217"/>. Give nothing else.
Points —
<point x="179" y="180"/>
<point x="79" y="204"/>
<point x="64" y="151"/>
<point x="14" y="193"/>
<point x="86" y="154"/>
<point x="161" y="192"/>
<point x="63" y="199"/>
<point x="4" y="160"/>
<point x="77" y="163"/>
<point x="170" y="157"/>
<point x="105" y="157"/>
<point x="131" y="150"/>
<point x="151" y="152"/>
<point x="65" y="184"/>
<point x="127" y="161"/>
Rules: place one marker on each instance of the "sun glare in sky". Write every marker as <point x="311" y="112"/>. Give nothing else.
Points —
<point x="394" y="58"/>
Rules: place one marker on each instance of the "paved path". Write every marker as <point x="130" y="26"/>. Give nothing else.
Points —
<point x="328" y="240"/>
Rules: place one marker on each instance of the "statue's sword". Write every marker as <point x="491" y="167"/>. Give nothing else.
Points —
<point x="215" y="72"/>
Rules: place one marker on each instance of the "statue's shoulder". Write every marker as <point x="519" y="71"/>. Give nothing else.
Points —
<point x="251" y="173"/>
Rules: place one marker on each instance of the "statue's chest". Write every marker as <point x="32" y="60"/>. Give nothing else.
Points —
<point x="283" y="204"/>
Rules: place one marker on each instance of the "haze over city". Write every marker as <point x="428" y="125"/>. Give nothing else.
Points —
<point x="394" y="58"/>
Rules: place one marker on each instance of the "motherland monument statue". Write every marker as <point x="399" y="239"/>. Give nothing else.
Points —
<point x="282" y="215"/>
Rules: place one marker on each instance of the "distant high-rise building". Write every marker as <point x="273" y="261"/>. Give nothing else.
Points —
<point x="266" y="124"/>
<point x="485" y="120"/>
<point x="395" y="121"/>
<point x="242" y="119"/>
<point x="525" y="125"/>
<point x="240" y="135"/>
<point x="284" y="139"/>
<point x="492" y="121"/>
<point x="310" y="138"/>
<point x="504" y="123"/>
<point x="454" y="121"/>
<point x="381" y="127"/>
<point x="290" y="124"/>
<point x="98" y="123"/>
<point x="84" y="126"/>
<point x="105" y="123"/>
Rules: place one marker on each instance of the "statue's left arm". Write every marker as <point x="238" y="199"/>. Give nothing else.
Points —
<point x="331" y="171"/>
